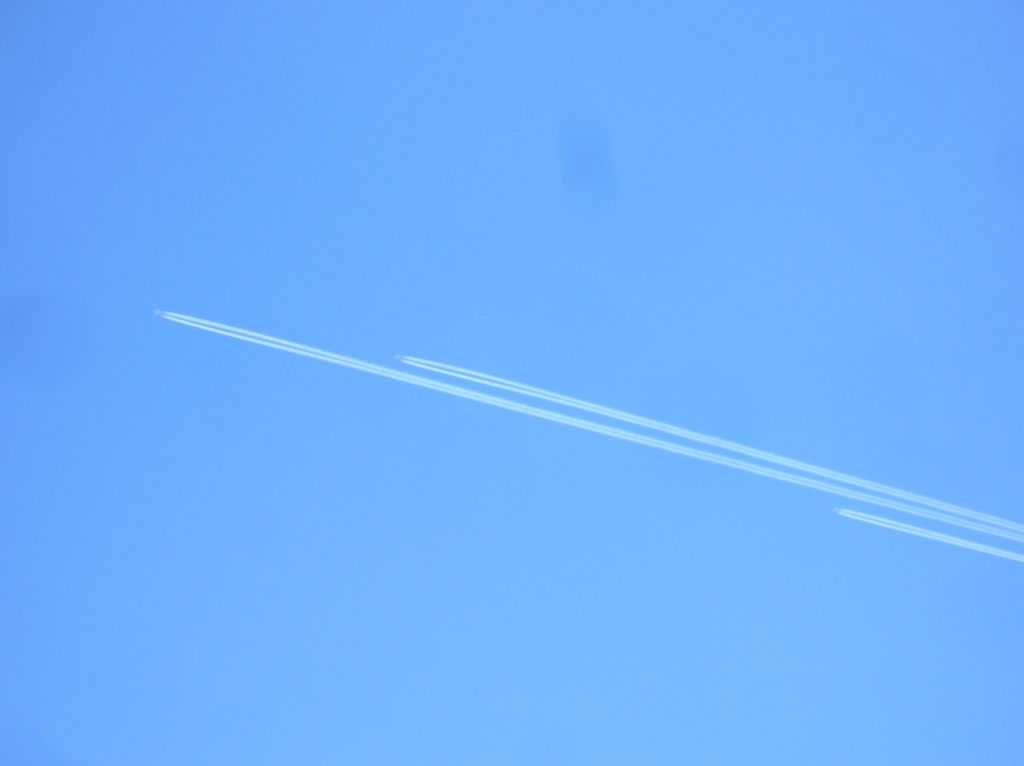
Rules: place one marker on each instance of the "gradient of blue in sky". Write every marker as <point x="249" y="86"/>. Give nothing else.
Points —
<point x="796" y="226"/>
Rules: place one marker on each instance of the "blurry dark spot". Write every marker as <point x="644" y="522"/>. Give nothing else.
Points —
<point x="1010" y="164"/>
<point x="588" y="170"/>
<point x="43" y="339"/>
<point x="19" y="746"/>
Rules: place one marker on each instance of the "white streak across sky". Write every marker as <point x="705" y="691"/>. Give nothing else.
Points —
<point x="928" y="534"/>
<point x="992" y="525"/>
<point x="713" y="441"/>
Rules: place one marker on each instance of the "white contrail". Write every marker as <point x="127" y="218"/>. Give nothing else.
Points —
<point x="586" y="425"/>
<point x="910" y="529"/>
<point x="655" y="425"/>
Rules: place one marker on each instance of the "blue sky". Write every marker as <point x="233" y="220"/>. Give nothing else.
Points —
<point x="798" y="227"/>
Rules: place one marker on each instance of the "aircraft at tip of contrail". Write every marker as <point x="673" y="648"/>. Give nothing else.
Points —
<point x="928" y="534"/>
<point x="986" y="527"/>
<point x="512" y="386"/>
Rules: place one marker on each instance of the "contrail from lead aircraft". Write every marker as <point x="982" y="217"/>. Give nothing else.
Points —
<point x="655" y="425"/>
<point x="910" y="529"/>
<point x="586" y="425"/>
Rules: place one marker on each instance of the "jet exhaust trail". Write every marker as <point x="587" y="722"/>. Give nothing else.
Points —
<point x="928" y="534"/>
<point x="586" y="425"/>
<point x="550" y="396"/>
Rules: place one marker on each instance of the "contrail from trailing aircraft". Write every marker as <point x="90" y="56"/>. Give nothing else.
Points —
<point x="586" y="425"/>
<point x="910" y="529"/>
<point x="555" y="398"/>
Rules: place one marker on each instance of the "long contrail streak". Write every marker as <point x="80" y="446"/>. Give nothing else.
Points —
<point x="910" y="529"/>
<point x="656" y="425"/>
<point x="586" y="425"/>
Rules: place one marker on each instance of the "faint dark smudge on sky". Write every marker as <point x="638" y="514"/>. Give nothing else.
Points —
<point x="19" y="745"/>
<point x="43" y="339"/>
<point x="589" y="178"/>
<point x="1010" y="164"/>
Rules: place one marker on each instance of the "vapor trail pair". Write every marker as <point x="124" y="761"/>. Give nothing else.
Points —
<point x="811" y="476"/>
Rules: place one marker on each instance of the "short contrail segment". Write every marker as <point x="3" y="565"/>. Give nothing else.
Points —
<point x="910" y="529"/>
<point x="555" y="398"/>
<point x="586" y="425"/>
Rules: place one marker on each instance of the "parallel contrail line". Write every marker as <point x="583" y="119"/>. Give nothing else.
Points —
<point x="586" y="425"/>
<point x="656" y="425"/>
<point x="928" y="534"/>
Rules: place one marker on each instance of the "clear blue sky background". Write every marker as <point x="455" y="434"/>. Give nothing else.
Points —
<point x="794" y="225"/>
